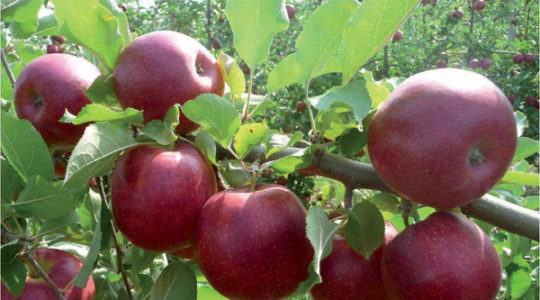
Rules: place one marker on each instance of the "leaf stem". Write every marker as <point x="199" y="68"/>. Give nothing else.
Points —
<point x="245" y="110"/>
<point x="8" y="68"/>
<point x="310" y="111"/>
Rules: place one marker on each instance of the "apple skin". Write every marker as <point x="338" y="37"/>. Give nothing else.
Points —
<point x="479" y="5"/>
<point x="157" y="195"/>
<point x="253" y="245"/>
<point x="162" y="68"/>
<point x="428" y="139"/>
<point x="458" y="14"/>
<point x="58" y="39"/>
<point x="518" y="58"/>
<point x="474" y="63"/>
<point x="62" y="267"/>
<point x="445" y="256"/>
<point x="529" y="58"/>
<point x="52" y="48"/>
<point x="291" y="11"/>
<point x="397" y="36"/>
<point x="48" y="86"/>
<point x="485" y="63"/>
<point x="347" y="275"/>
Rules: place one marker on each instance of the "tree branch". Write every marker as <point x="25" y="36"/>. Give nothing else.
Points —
<point x="8" y="69"/>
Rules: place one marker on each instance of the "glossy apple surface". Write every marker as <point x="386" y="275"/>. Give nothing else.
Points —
<point x="443" y="138"/>
<point x="157" y="195"/>
<point x="347" y="275"/>
<point x="162" y="68"/>
<point x="253" y="245"/>
<point x="48" y="86"/>
<point x="62" y="267"/>
<point x="446" y="256"/>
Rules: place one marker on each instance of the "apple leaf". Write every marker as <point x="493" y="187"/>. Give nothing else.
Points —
<point x="206" y="291"/>
<point x="102" y="113"/>
<point x="519" y="283"/>
<point x="23" y="15"/>
<point x="96" y="152"/>
<point x="261" y="104"/>
<point x="521" y="178"/>
<point x="388" y="203"/>
<point x="27" y="52"/>
<point x="320" y="232"/>
<point x="331" y="124"/>
<point x="290" y="163"/>
<point x="52" y="225"/>
<point x="525" y="148"/>
<point x="176" y="281"/>
<point x="280" y="142"/>
<point x="319" y="41"/>
<point x="364" y="230"/>
<point x="102" y="90"/>
<point x="352" y="141"/>
<point x="207" y="146"/>
<point x="353" y="94"/>
<point x="232" y="74"/>
<point x="47" y="25"/>
<point x="378" y="93"/>
<point x="521" y="122"/>
<point x="233" y="173"/>
<point x="217" y="117"/>
<point x="254" y="26"/>
<point x="248" y="137"/>
<point x="139" y="259"/>
<point x="24" y="148"/>
<point x="43" y="199"/>
<point x="163" y="131"/>
<point x="13" y="270"/>
<point x="11" y="182"/>
<point x="96" y="26"/>
<point x="7" y="89"/>
<point x="369" y="29"/>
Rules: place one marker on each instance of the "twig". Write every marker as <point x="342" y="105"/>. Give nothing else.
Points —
<point x="119" y="252"/>
<point x="347" y="199"/>
<point x="8" y="68"/>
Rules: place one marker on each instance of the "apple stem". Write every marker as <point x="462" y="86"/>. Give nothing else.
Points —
<point x="406" y="206"/>
<point x="114" y="230"/>
<point x="8" y="69"/>
<point x="475" y="156"/>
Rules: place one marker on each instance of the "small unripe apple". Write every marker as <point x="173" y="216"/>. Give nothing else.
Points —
<point x="485" y="63"/>
<point x="529" y="58"/>
<point x="457" y="13"/>
<point x="474" y="63"/>
<point x="397" y="36"/>
<point x="479" y="5"/>
<point x="291" y="11"/>
<point x="518" y="58"/>
<point x="301" y="106"/>
<point x="52" y="48"/>
<point x="58" y="39"/>
<point x="441" y="64"/>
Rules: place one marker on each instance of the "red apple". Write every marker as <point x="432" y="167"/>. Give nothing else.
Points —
<point x="52" y="48"/>
<point x="512" y="98"/>
<point x="518" y="58"/>
<point x="282" y="181"/>
<point x="444" y="257"/>
<point x="532" y="100"/>
<point x="253" y="244"/>
<point x="479" y="5"/>
<point x="162" y="68"/>
<point x="48" y="86"/>
<point x="425" y="2"/>
<point x="291" y="11"/>
<point x="485" y="63"/>
<point x="443" y="138"/>
<point x="123" y="8"/>
<point x="474" y="63"/>
<point x="215" y="44"/>
<point x="397" y="36"/>
<point x="62" y="267"/>
<point x="186" y="253"/>
<point x="441" y="63"/>
<point x="457" y="13"/>
<point x="221" y="20"/>
<point x="58" y="39"/>
<point x="157" y="195"/>
<point x="245" y="68"/>
<point x="347" y="275"/>
<point x="513" y="21"/>
<point x="301" y="106"/>
<point x="529" y="58"/>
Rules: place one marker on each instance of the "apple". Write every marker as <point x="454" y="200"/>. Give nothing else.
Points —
<point x="52" y="48"/>
<point x="186" y="253"/>
<point x="513" y="21"/>
<point x="162" y="68"/>
<point x="48" y="86"/>
<point x="529" y="58"/>
<point x="348" y="275"/>
<point x="123" y="8"/>
<point x="267" y="173"/>
<point x="291" y="11"/>
<point x="221" y="20"/>
<point x="301" y="106"/>
<point x="62" y="267"/>
<point x="457" y="13"/>
<point x="425" y="2"/>
<point x="434" y="2"/>
<point x="533" y="100"/>
<point x="397" y="36"/>
<point x="474" y="63"/>
<point x="443" y="138"/>
<point x="441" y="63"/>
<point x="215" y="44"/>
<point x="512" y="98"/>
<point x="485" y="63"/>
<point x="445" y="256"/>
<point x="58" y="39"/>
<point x="157" y="195"/>
<point x="282" y="181"/>
<point x="253" y="244"/>
<point x="245" y="68"/>
<point x="518" y="58"/>
<point x="479" y="5"/>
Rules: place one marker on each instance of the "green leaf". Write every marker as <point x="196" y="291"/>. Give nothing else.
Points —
<point x="13" y="274"/>
<point x="525" y="148"/>
<point x="519" y="283"/>
<point x="320" y="39"/>
<point x="261" y="105"/>
<point x="57" y="224"/>
<point x="96" y="152"/>
<point x="24" y="17"/>
<point x="531" y="179"/>
<point x="11" y="184"/>
<point x="102" y="90"/>
<point x="378" y="93"/>
<point x="47" y="25"/>
<point x="331" y="123"/>
<point x="163" y="131"/>
<point x="92" y="25"/>
<point x="207" y="292"/>
<point x="139" y="259"/>
<point x="7" y="89"/>
<point x="44" y="199"/>
<point x="352" y="141"/>
<point x="386" y="202"/>
<point x="521" y="122"/>
<point x="254" y="24"/>
<point x="102" y="113"/>
<point x="320" y="232"/>
<point x="27" y="52"/>
<point x="176" y="281"/>
<point x="364" y="230"/>
<point x="217" y="117"/>
<point x="233" y="173"/>
<point x="248" y="137"/>
<point x="207" y="145"/>
<point x="288" y="164"/>
<point x="232" y="74"/>
<point x="280" y="142"/>
<point x="369" y="29"/>
<point x="353" y="94"/>
<point x="24" y="148"/>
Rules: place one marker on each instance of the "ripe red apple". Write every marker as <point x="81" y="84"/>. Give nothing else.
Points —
<point x="48" y="86"/>
<point x="162" y="68"/>
<point x="474" y="63"/>
<point x="443" y="138"/>
<point x="245" y="68"/>
<point x="282" y="181"/>
<point x="444" y="257"/>
<point x="425" y="2"/>
<point x="529" y="58"/>
<point x="441" y="63"/>
<point x="518" y="58"/>
<point x="457" y="13"/>
<point x="52" y="48"/>
<point x="253" y="245"/>
<point x="301" y="106"/>
<point x="62" y="267"/>
<point x="215" y="44"/>
<point x="533" y="100"/>
<point x="157" y="195"/>
<point x="397" y="36"/>
<point x="513" y="21"/>
<point x="186" y="253"/>
<point x="58" y="39"/>
<point x="291" y="11"/>
<point x="479" y="5"/>
<point x="485" y="63"/>
<point x="123" y="8"/>
<point x="221" y="20"/>
<point x="347" y="275"/>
